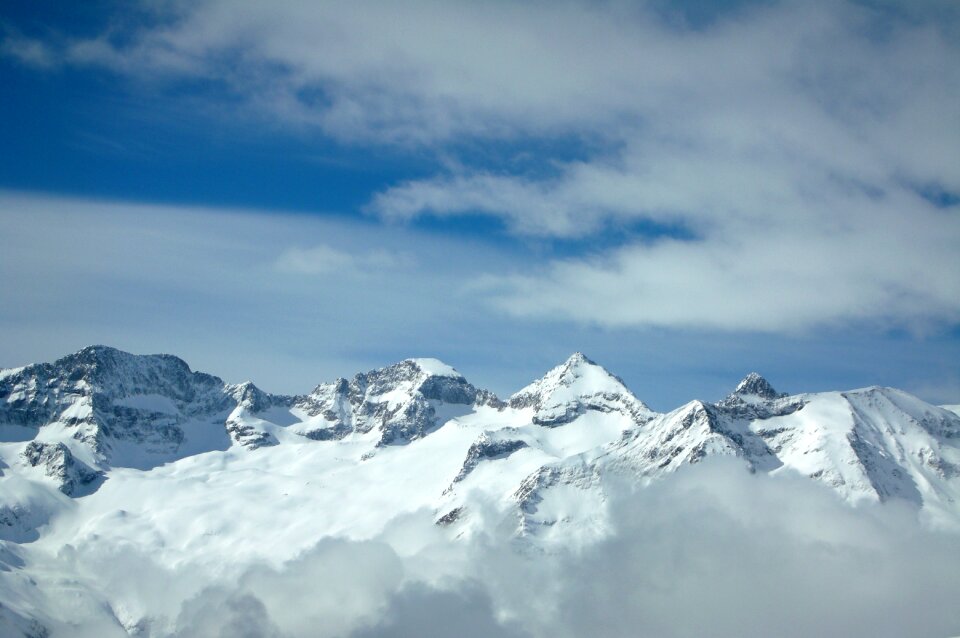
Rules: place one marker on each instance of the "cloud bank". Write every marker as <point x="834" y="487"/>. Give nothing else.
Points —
<point x="711" y="550"/>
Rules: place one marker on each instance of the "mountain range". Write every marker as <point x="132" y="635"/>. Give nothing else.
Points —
<point x="103" y="446"/>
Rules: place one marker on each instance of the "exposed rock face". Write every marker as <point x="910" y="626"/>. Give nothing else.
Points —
<point x="873" y="444"/>
<point x="37" y="394"/>
<point x="71" y="421"/>
<point x="401" y="402"/>
<point x="252" y="398"/>
<point x="450" y="517"/>
<point x="243" y="425"/>
<point x="248" y="435"/>
<point x="755" y="398"/>
<point x="488" y="448"/>
<point x="755" y="385"/>
<point x="545" y="469"/>
<point x="127" y="409"/>
<point x="73" y="477"/>
<point x="95" y="392"/>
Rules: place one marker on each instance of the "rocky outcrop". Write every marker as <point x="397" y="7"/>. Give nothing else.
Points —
<point x="488" y="448"/>
<point x="73" y="477"/>
<point x="400" y="402"/>
<point x="575" y="387"/>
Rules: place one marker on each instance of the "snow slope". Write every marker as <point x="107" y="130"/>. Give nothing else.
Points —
<point x="107" y="449"/>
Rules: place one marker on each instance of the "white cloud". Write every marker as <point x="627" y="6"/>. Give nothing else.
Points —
<point x="327" y="260"/>
<point x="716" y="549"/>
<point x="791" y="143"/>
<point x="430" y="71"/>
<point x="789" y="138"/>
<point x="872" y="266"/>
<point x="285" y="300"/>
<point x="711" y="550"/>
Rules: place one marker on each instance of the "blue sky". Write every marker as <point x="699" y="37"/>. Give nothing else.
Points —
<point x="288" y="192"/>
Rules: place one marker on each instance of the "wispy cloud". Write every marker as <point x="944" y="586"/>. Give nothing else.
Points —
<point x="805" y="153"/>
<point x="28" y="51"/>
<point x="792" y="141"/>
<point x="327" y="260"/>
<point x="285" y="300"/>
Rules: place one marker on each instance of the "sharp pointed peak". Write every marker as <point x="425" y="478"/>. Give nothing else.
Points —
<point x="574" y="363"/>
<point x="579" y="363"/>
<point x="577" y="370"/>
<point x="578" y="358"/>
<point x="755" y="385"/>
<point x="243" y="386"/>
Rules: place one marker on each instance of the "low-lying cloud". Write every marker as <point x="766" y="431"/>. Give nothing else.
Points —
<point x="713" y="550"/>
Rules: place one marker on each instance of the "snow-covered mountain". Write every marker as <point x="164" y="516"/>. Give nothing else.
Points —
<point x="103" y="408"/>
<point x="106" y="447"/>
<point x="397" y="404"/>
<point x="68" y="424"/>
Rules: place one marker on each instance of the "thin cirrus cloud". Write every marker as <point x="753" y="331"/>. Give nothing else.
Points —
<point x="251" y="294"/>
<point x="327" y="260"/>
<point x="806" y="149"/>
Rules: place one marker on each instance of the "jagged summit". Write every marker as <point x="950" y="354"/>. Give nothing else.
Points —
<point x="400" y="403"/>
<point x="99" y="375"/>
<point x="101" y="357"/>
<point x="430" y="377"/>
<point x="103" y="449"/>
<point x="578" y="358"/>
<point x="575" y="386"/>
<point x="578" y="372"/>
<point x="248" y="395"/>
<point x="111" y="408"/>
<point x="97" y="350"/>
<point x="406" y="376"/>
<point x="114" y="371"/>
<point x="755" y="385"/>
<point x="102" y="408"/>
<point x="754" y="397"/>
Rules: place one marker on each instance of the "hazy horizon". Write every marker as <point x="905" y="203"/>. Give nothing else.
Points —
<point x="685" y="191"/>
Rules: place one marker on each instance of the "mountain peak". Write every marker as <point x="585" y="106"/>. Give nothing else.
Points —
<point x="576" y="385"/>
<point x="400" y="401"/>
<point x="93" y="354"/>
<point x="579" y="365"/>
<point x="755" y="385"/>
<point x="98" y="349"/>
<point x="434" y="368"/>
<point x="578" y="358"/>
<point x="577" y="370"/>
<point x="100" y="359"/>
